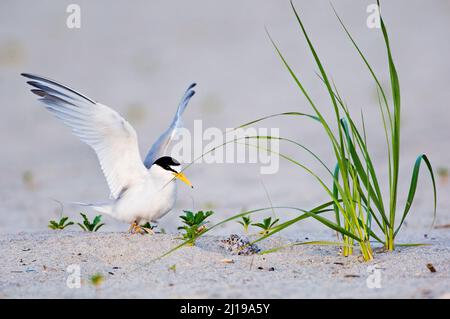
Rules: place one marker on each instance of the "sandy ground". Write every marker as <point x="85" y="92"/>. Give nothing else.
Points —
<point x="139" y="59"/>
<point x="34" y="265"/>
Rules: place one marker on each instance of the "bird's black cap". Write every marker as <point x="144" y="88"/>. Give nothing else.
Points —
<point x="166" y="162"/>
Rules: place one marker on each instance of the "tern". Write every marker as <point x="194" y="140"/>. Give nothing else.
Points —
<point x="141" y="191"/>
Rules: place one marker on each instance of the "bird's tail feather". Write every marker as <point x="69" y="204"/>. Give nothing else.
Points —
<point x="104" y="208"/>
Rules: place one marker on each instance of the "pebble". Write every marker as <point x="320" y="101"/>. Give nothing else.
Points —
<point x="227" y="261"/>
<point x="431" y="267"/>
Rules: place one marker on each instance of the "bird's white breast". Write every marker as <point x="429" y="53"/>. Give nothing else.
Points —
<point x="148" y="200"/>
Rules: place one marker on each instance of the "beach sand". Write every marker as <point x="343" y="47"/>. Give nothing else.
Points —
<point x="35" y="265"/>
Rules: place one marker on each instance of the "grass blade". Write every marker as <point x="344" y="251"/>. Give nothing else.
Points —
<point x="413" y="187"/>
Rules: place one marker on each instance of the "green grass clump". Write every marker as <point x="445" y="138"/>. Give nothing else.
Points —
<point x="61" y="224"/>
<point x="355" y="193"/>
<point x="91" y="226"/>
<point x="194" y="224"/>
<point x="362" y="213"/>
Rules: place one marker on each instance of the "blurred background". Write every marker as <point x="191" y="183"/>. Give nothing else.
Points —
<point x="138" y="57"/>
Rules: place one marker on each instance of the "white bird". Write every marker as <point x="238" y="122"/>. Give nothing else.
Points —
<point x="140" y="191"/>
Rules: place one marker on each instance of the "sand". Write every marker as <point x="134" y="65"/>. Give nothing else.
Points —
<point x="35" y="265"/>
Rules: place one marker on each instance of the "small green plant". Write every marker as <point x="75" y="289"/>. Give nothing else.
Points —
<point x="195" y="224"/>
<point x="88" y="226"/>
<point x="173" y="268"/>
<point x="96" y="280"/>
<point x="267" y="225"/>
<point x="148" y="225"/>
<point x="61" y="224"/>
<point x="245" y="221"/>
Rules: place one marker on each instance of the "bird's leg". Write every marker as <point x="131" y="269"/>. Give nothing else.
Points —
<point x="131" y="228"/>
<point x="138" y="230"/>
<point x="135" y="228"/>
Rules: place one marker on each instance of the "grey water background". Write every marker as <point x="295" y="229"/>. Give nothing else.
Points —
<point x="138" y="57"/>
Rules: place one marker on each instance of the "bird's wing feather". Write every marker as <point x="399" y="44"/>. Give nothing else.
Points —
<point x="113" y="139"/>
<point x="160" y="146"/>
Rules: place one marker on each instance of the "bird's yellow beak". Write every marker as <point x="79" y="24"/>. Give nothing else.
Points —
<point x="183" y="178"/>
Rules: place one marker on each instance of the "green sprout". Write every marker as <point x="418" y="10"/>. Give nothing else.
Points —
<point x="267" y="225"/>
<point x="173" y="268"/>
<point x="195" y="224"/>
<point x="96" y="280"/>
<point x="61" y="224"/>
<point x="245" y="222"/>
<point x="88" y="226"/>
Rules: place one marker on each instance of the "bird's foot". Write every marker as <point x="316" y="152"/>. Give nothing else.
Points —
<point x="136" y="229"/>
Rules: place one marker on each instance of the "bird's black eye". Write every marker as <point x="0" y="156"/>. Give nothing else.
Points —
<point x="166" y="162"/>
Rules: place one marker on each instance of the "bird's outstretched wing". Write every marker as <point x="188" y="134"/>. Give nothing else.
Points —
<point x="113" y="139"/>
<point x="159" y="148"/>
